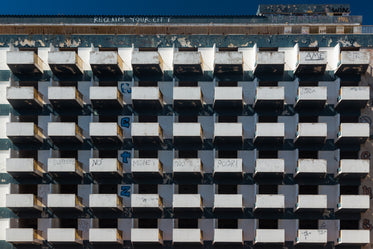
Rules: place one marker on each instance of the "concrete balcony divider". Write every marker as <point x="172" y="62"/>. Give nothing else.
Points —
<point x="106" y="63"/>
<point x="65" y="63"/>
<point x="24" y="62"/>
<point x="146" y="63"/>
<point x="229" y="62"/>
<point x="23" y="236"/>
<point x="24" y="97"/>
<point x="353" y="168"/>
<point x="187" y="63"/>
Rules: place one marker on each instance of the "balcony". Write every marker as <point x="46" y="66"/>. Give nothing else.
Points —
<point x="106" y="63"/>
<point x="105" y="168"/>
<point x="106" y="97"/>
<point x="65" y="63"/>
<point x="23" y="203"/>
<point x="269" y="133"/>
<point x="24" y="97"/>
<point x="146" y="167"/>
<point x="105" y="236"/>
<point x="146" y="133"/>
<point x="353" y="203"/>
<point x="65" y="132"/>
<point x="228" y="63"/>
<point x="64" y="202"/>
<point x="146" y="63"/>
<point x="186" y="98"/>
<point x="311" y="168"/>
<point x="270" y="203"/>
<point x="353" y="62"/>
<point x="187" y="202"/>
<point x="147" y="98"/>
<point x="312" y="237"/>
<point x="269" y="236"/>
<point x="353" y="168"/>
<point x="228" y="202"/>
<point x="353" y="133"/>
<point x="24" y="167"/>
<point x="187" y="167"/>
<point x="269" y="168"/>
<point x="228" y="236"/>
<point x="311" y="133"/>
<point x="224" y="168"/>
<point x="65" y="97"/>
<point x="269" y="62"/>
<point x="269" y="97"/>
<point x="311" y="203"/>
<point x="67" y="168"/>
<point x="187" y="133"/>
<point x="24" y="62"/>
<point x="105" y="202"/>
<point x="353" y="97"/>
<point x="311" y="97"/>
<point x="228" y="97"/>
<point x="228" y="133"/>
<point x="353" y="237"/>
<point x="188" y="63"/>
<point x="24" y="133"/>
<point x="187" y="236"/>
<point x="146" y="202"/>
<point x="311" y="62"/>
<point x="23" y="236"/>
<point x="66" y="236"/>
<point x="105" y="133"/>
<point x="146" y="236"/>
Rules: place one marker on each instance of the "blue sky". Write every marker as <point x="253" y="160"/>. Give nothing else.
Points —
<point x="163" y="7"/>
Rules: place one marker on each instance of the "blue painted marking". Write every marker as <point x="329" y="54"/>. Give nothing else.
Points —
<point x="125" y="88"/>
<point x="125" y="191"/>
<point x="125" y="122"/>
<point x="125" y="155"/>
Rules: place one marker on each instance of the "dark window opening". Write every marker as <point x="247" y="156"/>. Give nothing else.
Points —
<point x="226" y="49"/>
<point x="349" y="83"/>
<point x="148" y="223"/>
<point x="227" y="154"/>
<point x="68" y="189"/>
<point x="227" y="119"/>
<point x="267" y="119"/>
<point x="69" y="49"/>
<point x="69" y="223"/>
<point x="227" y="189"/>
<point x="68" y="119"/>
<point x="68" y="83"/>
<point x="188" y="153"/>
<point x="268" y="154"/>
<point x="150" y="119"/>
<point x="188" y="49"/>
<point x="349" y="224"/>
<point x="188" y="119"/>
<point x="348" y="154"/>
<point x="28" y="189"/>
<point x="148" y="49"/>
<point x="308" y="119"/>
<point x="308" y="83"/>
<point x="108" y="189"/>
<point x="107" y="223"/>
<point x="268" y="189"/>
<point x="308" y="49"/>
<point x="148" y="83"/>
<point x="148" y="153"/>
<point x="308" y="189"/>
<point x="106" y="119"/>
<point x="28" y="223"/>
<point x="268" y="224"/>
<point x="227" y="83"/>
<point x="268" y="49"/>
<point x="148" y="189"/>
<point x="108" y="49"/>
<point x="349" y="119"/>
<point x="69" y="154"/>
<point x="188" y="83"/>
<point x="308" y="224"/>
<point x="108" y="83"/>
<point x="108" y="154"/>
<point x="28" y="154"/>
<point x="30" y="118"/>
<point x="227" y="223"/>
<point x="350" y="48"/>
<point x="35" y="50"/>
<point x="308" y="154"/>
<point x="188" y="223"/>
<point x="268" y="83"/>
<point x="28" y="83"/>
<point x="188" y="189"/>
<point x="348" y="190"/>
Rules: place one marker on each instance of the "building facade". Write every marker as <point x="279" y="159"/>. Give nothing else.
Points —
<point x="186" y="131"/>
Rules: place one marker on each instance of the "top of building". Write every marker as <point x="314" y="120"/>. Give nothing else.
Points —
<point x="304" y="9"/>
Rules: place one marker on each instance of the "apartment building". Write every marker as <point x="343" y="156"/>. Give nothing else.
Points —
<point x="187" y="131"/>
